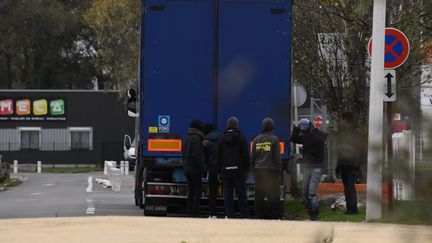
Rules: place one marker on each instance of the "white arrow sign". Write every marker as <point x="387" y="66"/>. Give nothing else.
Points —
<point x="389" y="85"/>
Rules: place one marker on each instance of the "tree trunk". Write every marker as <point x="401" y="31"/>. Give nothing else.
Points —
<point x="9" y="71"/>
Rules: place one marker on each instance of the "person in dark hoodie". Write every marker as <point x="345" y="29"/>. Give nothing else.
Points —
<point x="233" y="163"/>
<point x="194" y="165"/>
<point x="313" y="141"/>
<point x="211" y="142"/>
<point x="351" y="154"/>
<point x="267" y="167"/>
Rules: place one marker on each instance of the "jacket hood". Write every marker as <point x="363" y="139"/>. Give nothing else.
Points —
<point x="268" y="125"/>
<point x="232" y="135"/>
<point x="214" y="135"/>
<point x="233" y="123"/>
<point x="196" y="131"/>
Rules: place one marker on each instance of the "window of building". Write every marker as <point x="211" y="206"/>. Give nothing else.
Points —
<point x="81" y="138"/>
<point x="29" y="137"/>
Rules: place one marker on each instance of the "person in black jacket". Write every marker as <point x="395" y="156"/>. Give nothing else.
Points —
<point x="194" y="165"/>
<point x="351" y="153"/>
<point x="233" y="162"/>
<point x="211" y="143"/>
<point x="267" y="167"/>
<point x="313" y="141"/>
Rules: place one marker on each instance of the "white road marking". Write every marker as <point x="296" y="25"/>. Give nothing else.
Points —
<point x="49" y="184"/>
<point x="36" y="193"/>
<point x="90" y="207"/>
<point x="90" y="184"/>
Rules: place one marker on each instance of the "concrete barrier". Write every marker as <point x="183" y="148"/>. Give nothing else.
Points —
<point x="15" y="166"/>
<point x="126" y="167"/>
<point x="39" y="167"/>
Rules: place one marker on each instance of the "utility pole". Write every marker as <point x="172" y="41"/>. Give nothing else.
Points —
<point x="375" y="138"/>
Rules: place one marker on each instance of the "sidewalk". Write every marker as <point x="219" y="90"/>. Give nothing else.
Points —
<point x="187" y="230"/>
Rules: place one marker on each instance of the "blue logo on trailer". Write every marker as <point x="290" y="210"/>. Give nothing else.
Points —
<point x="164" y="123"/>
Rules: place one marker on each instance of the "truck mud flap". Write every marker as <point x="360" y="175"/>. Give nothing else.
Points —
<point x="155" y="206"/>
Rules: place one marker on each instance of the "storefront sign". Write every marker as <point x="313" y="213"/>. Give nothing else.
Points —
<point x="39" y="109"/>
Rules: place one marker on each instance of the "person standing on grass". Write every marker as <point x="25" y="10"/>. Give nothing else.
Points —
<point x="313" y="141"/>
<point x="351" y="152"/>
<point x="267" y="168"/>
<point x="233" y="163"/>
<point x="194" y="165"/>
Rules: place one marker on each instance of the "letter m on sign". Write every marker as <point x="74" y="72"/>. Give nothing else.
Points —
<point x="6" y="107"/>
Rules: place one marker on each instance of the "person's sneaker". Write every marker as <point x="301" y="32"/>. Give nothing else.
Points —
<point x="314" y="215"/>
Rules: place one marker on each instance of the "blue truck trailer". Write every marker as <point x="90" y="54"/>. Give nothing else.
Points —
<point x="207" y="60"/>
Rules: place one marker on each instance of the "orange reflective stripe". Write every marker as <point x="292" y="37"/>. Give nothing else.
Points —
<point x="164" y="145"/>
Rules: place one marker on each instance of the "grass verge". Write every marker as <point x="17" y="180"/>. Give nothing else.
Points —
<point x="404" y="212"/>
<point x="294" y="209"/>
<point x="87" y="169"/>
<point x="11" y="182"/>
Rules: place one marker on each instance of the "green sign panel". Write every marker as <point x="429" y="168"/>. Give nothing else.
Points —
<point x="57" y="107"/>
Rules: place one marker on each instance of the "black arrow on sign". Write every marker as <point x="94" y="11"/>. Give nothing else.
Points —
<point x="389" y="78"/>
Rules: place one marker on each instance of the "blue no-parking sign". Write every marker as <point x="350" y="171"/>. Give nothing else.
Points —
<point x="397" y="48"/>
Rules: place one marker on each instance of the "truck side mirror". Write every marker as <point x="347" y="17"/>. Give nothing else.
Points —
<point x="131" y="103"/>
<point x="127" y="143"/>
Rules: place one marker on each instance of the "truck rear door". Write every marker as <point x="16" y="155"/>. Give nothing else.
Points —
<point x="254" y="53"/>
<point x="177" y="65"/>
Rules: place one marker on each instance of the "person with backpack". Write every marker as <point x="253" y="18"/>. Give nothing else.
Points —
<point x="233" y="163"/>
<point x="313" y="141"/>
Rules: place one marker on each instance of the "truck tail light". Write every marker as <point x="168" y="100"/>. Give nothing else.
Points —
<point x="164" y="145"/>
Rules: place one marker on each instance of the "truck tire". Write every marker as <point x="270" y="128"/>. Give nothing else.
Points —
<point x="138" y="192"/>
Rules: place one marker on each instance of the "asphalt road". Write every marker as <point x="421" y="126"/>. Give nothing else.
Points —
<point x="67" y="195"/>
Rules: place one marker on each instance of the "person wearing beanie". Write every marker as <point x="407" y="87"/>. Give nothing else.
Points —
<point x="313" y="141"/>
<point x="194" y="165"/>
<point x="233" y="164"/>
<point x="267" y="168"/>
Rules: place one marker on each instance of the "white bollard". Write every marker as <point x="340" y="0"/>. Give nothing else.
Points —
<point x="39" y="167"/>
<point x="126" y="167"/>
<point x="105" y="167"/>
<point x="122" y="167"/>
<point x="15" y="167"/>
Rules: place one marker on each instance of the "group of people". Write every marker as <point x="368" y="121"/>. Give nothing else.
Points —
<point x="224" y="155"/>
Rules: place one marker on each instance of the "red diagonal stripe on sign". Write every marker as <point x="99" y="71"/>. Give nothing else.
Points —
<point x="389" y="48"/>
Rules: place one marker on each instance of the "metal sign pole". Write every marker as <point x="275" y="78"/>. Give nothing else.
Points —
<point x="389" y="158"/>
<point x="374" y="170"/>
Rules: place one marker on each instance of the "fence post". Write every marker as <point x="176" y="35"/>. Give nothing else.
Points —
<point x="15" y="166"/>
<point x="105" y="167"/>
<point x="39" y="167"/>
<point x="126" y="168"/>
<point x="122" y="167"/>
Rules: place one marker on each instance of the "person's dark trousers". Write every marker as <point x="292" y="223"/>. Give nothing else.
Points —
<point x="213" y="185"/>
<point x="349" y="176"/>
<point x="267" y="184"/>
<point x="194" y="193"/>
<point x="240" y="189"/>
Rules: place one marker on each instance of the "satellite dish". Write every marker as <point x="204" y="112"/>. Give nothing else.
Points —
<point x="301" y="95"/>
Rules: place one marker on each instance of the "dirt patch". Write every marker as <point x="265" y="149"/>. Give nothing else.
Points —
<point x="187" y="230"/>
